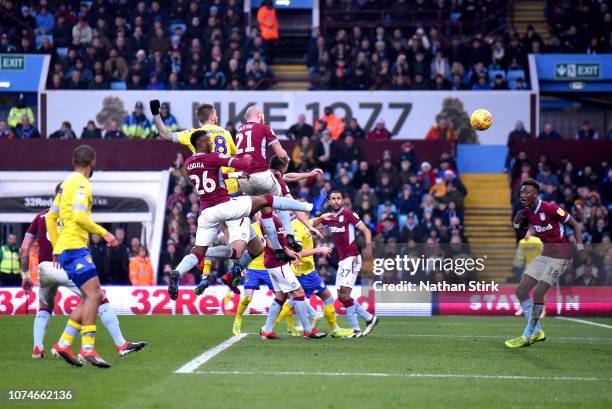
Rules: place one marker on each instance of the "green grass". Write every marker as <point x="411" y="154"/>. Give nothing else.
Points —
<point x="433" y="345"/>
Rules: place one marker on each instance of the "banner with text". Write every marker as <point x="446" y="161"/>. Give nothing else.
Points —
<point x="407" y="115"/>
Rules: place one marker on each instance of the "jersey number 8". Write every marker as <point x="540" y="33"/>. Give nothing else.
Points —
<point x="208" y="185"/>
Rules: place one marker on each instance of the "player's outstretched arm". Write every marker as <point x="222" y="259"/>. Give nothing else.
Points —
<point x="325" y="217"/>
<point x="24" y="254"/>
<point x="51" y="221"/>
<point x="326" y="251"/>
<point x="297" y="176"/>
<point x="164" y="132"/>
<point x="302" y="217"/>
<point x="280" y="152"/>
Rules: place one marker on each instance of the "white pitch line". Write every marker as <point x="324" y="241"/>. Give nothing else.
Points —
<point x="484" y="337"/>
<point x="596" y="324"/>
<point x="412" y="375"/>
<point x="195" y="363"/>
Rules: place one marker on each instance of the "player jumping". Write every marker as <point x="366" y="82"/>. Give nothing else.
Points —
<point x="217" y="207"/>
<point x="547" y="220"/>
<point x="71" y="215"/>
<point x="285" y="283"/>
<point x="342" y="229"/>
<point x="50" y="278"/>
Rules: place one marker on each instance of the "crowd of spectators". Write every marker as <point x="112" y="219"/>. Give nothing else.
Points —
<point x="139" y="45"/>
<point x="586" y="193"/>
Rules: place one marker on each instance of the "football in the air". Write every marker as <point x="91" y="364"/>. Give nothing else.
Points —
<point x="481" y="119"/>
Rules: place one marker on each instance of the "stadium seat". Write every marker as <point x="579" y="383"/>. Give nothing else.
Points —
<point x="41" y="37"/>
<point x="118" y="85"/>
<point x="175" y="25"/>
<point x="494" y="73"/>
<point x="62" y="52"/>
<point x="513" y="75"/>
<point x="401" y="221"/>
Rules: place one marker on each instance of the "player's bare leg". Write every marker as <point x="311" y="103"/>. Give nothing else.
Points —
<point x="92" y="297"/>
<point x="187" y="263"/>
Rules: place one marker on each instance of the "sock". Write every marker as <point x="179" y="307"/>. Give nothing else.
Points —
<point x="219" y="252"/>
<point x="536" y="310"/>
<point x="275" y="309"/>
<point x="330" y="313"/>
<point x="311" y="311"/>
<point x="242" y="306"/>
<point x="285" y="218"/>
<point x="361" y="312"/>
<point x="351" y="315"/>
<point x="88" y="337"/>
<point x="285" y="203"/>
<point x="270" y="228"/>
<point x="111" y="322"/>
<point x="41" y="322"/>
<point x="284" y="313"/>
<point x="526" y="306"/>
<point x="245" y="259"/>
<point x="187" y="263"/>
<point x="302" y="312"/>
<point x="71" y="330"/>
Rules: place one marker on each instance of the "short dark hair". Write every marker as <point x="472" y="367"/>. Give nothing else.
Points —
<point x="531" y="182"/>
<point x="83" y="155"/>
<point x="331" y="192"/>
<point x="196" y="136"/>
<point x="276" y="163"/>
<point x="203" y="112"/>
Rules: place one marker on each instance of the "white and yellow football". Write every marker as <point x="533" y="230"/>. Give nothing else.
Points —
<point x="481" y="119"/>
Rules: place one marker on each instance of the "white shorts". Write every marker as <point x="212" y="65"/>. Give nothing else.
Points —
<point x="283" y="279"/>
<point x="50" y="278"/>
<point x="348" y="270"/>
<point x="208" y="223"/>
<point x="239" y="229"/>
<point x="547" y="269"/>
<point x="261" y="183"/>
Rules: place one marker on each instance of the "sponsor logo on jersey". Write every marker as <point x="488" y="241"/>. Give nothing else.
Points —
<point x="542" y="229"/>
<point x="334" y="229"/>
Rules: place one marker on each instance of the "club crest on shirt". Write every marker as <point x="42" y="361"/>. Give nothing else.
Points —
<point x="341" y="218"/>
<point x="542" y="216"/>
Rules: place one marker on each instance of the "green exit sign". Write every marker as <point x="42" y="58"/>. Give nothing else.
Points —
<point x="12" y="62"/>
<point x="577" y="71"/>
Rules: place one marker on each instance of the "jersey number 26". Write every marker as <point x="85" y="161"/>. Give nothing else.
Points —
<point x="208" y="185"/>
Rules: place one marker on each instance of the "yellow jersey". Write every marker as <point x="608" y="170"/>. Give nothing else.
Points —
<point x="530" y="248"/>
<point x="258" y="263"/>
<point x="69" y="219"/>
<point x="222" y="143"/>
<point x="302" y="235"/>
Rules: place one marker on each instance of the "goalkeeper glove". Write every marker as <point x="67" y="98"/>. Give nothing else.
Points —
<point x="154" y="105"/>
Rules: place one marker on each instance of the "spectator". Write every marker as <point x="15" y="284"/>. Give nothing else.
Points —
<point x="587" y="274"/>
<point x="91" y="131"/>
<point x="408" y="154"/>
<point x="65" y="132"/>
<point x="500" y="84"/>
<point x="10" y="268"/>
<point x="330" y="122"/>
<point x="169" y="120"/>
<point x="517" y="136"/>
<point x="25" y="130"/>
<point x="136" y="125"/>
<point x="303" y="154"/>
<point x="353" y="130"/>
<point x="99" y="254"/>
<point x="548" y="133"/>
<point x="350" y="154"/>
<point x="119" y="260"/>
<point x="44" y="21"/>
<point x="441" y="132"/>
<point x="115" y="66"/>
<point x="82" y="32"/>
<point x="327" y="152"/>
<point x="546" y="177"/>
<point x="134" y="246"/>
<point x="379" y="132"/>
<point x="141" y="270"/>
<point x="177" y="196"/>
<point x="364" y="174"/>
<point x="586" y="132"/>
<point x="18" y="111"/>
<point x="114" y="132"/>
<point x="300" y="129"/>
<point x="5" y="131"/>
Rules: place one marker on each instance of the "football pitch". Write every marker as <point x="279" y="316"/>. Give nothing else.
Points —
<point x="433" y="362"/>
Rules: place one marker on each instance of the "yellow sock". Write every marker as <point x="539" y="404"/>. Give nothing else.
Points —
<point x="330" y="315"/>
<point x="71" y="330"/>
<point x="284" y="313"/>
<point x="88" y="337"/>
<point x="242" y="306"/>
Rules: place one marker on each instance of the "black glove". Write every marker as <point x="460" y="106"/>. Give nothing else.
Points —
<point x="154" y="105"/>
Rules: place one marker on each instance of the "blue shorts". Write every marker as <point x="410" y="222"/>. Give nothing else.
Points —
<point x="78" y="265"/>
<point x="312" y="283"/>
<point x="255" y="278"/>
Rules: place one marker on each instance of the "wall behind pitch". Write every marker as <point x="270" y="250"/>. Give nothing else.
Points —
<point x="409" y="115"/>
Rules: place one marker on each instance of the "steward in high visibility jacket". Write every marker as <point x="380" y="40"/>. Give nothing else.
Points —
<point x="268" y="23"/>
<point x="10" y="268"/>
<point x="18" y="111"/>
<point x="137" y="126"/>
<point x="141" y="270"/>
